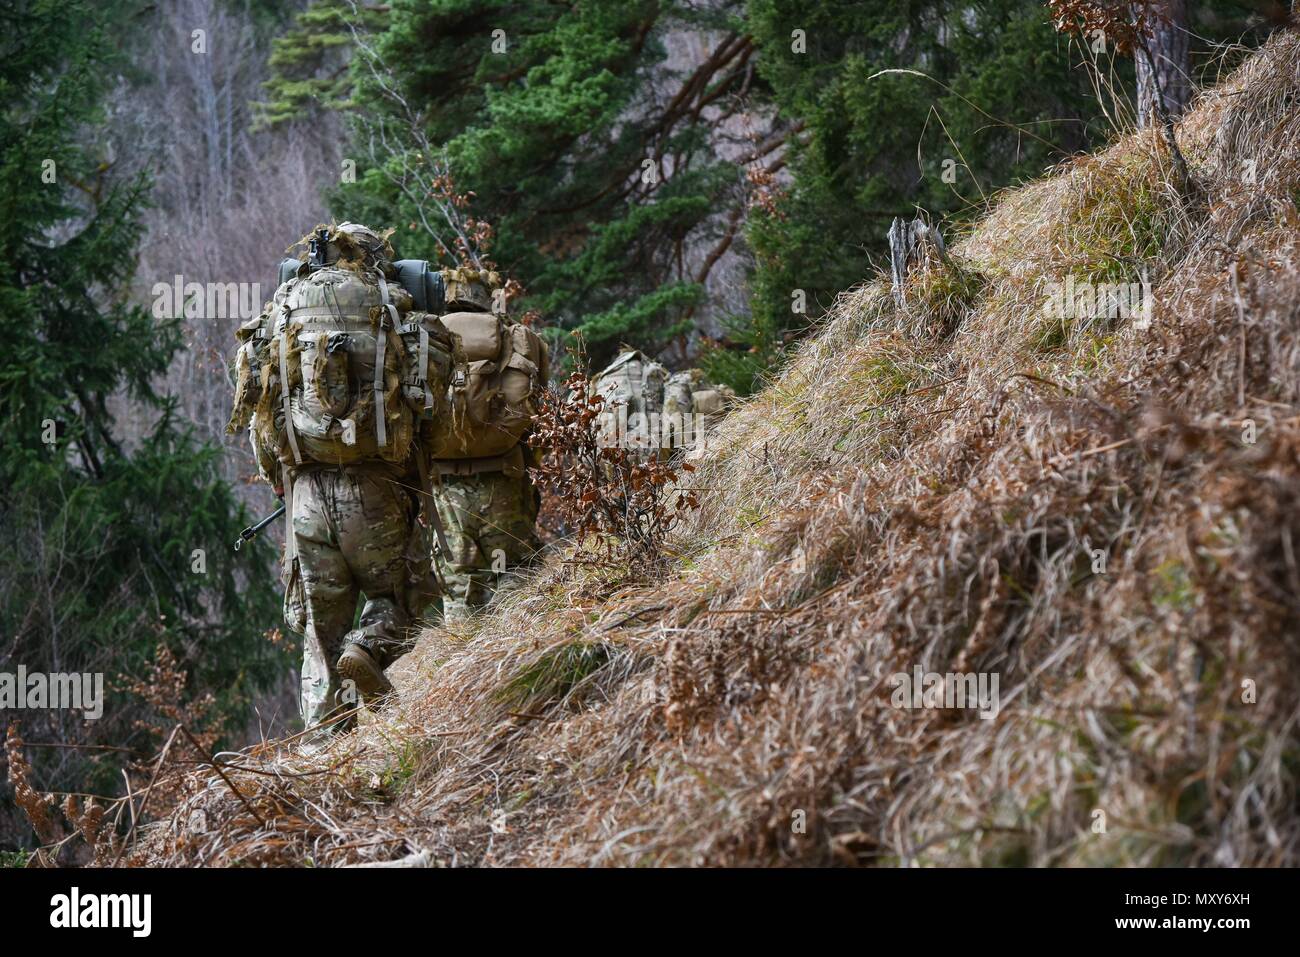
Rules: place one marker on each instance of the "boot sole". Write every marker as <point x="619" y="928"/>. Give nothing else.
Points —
<point x="369" y="680"/>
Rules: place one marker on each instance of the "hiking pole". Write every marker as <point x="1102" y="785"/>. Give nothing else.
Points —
<point x="250" y="533"/>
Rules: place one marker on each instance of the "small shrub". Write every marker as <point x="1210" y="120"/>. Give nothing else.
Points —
<point x="618" y="503"/>
<point x="555" y="673"/>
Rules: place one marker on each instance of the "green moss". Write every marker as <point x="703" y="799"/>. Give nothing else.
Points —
<point x="885" y="376"/>
<point x="1115" y="226"/>
<point x="554" y="673"/>
<point x="1091" y="354"/>
<point x="406" y="760"/>
<point x="1051" y="334"/>
<point x="945" y="294"/>
<point x="1172" y="588"/>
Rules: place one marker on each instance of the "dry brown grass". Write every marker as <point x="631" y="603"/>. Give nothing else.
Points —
<point x="910" y="492"/>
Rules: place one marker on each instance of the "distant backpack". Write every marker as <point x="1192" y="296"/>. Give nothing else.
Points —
<point x="340" y="369"/>
<point x="659" y="407"/>
<point x="633" y="381"/>
<point x="690" y="392"/>
<point x="494" y="396"/>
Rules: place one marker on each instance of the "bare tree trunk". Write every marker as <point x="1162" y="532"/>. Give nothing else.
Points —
<point x="1166" y="73"/>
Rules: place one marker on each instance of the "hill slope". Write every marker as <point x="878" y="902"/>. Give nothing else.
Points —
<point x="1103" y="512"/>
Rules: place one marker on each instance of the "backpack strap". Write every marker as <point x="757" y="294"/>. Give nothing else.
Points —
<point x="290" y="543"/>
<point x="381" y="343"/>
<point x="430" y="510"/>
<point x="421" y="373"/>
<point x="510" y="463"/>
<point x="463" y="467"/>
<point x="386" y="299"/>
<point x="284" y="394"/>
<point x="424" y="368"/>
<point x="287" y="476"/>
<point x="381" y="426"/>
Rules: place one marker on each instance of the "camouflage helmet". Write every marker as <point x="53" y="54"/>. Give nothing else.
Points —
<point x="469" y="288"/>
<point x="349" y="242"/>
<point x="371" y="243"/>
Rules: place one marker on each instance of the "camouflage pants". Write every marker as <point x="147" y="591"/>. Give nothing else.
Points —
<point x="356" y="535"/>
<point x="489" y="520"/>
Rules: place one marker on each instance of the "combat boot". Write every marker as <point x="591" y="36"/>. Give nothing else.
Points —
<point x="357" y="665"/>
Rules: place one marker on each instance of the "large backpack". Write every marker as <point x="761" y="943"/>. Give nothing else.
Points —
<point x="494" y="397"/>
<point x="340" y="369"/>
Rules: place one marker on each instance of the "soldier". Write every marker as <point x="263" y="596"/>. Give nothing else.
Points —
<point x="490" y="519"/>
<point x="485" y="498"/>
<point x="342" y="383"/>
<point x="648" y="408"/>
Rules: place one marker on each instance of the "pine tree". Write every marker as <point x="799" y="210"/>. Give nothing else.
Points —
<point x="591" y="159"/>
<point x="106" y="551"/>
<point x="309" y="61"/>
<point x="1002" y="98"/>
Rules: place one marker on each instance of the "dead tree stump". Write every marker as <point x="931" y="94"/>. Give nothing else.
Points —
<point x="909" y="246"/>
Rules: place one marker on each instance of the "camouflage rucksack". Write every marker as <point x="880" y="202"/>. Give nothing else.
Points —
<point x="494" y="396"/>
<point x="340" y="369"/>
<point x="648" y="408"/>
<point x="690" y="391"/>
<point x="635" y="382"/>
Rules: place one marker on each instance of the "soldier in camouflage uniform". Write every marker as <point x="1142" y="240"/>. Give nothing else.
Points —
<point x="355" y="534"/>
<point x="490" y="519"/>
<point x="485" y="498"/>
<point x="353" y="530"/>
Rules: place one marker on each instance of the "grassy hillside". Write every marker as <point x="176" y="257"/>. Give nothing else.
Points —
<point x="929" y="485"/>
